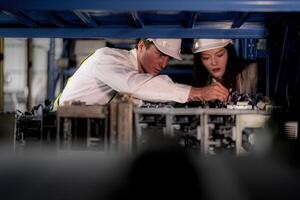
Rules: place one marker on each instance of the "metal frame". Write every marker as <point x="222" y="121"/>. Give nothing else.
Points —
<point x="172" y="5"/>
<point x="244" y="119"/>
<point x="66" y="113"/>
<point x="128" y="32"/>
<point x="1" y="74"/>
<point x="145" y="18"/>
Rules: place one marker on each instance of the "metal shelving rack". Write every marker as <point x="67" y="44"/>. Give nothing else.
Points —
<point x="141" y="18"/>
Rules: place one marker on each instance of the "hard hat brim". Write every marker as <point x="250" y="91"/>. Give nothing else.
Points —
<point x="176" y="55"/>
<point x="213" y="46"/>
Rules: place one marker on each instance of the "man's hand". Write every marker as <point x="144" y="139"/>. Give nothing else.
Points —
<point x="212" y="92"/>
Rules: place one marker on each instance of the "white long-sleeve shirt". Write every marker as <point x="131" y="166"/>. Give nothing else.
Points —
<point x="111" y="70"/>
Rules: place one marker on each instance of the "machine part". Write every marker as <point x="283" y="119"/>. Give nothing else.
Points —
<point x="209" y="130"/>
<point x="7" y="130"/>
<point x="220" y="133"/>
<point x="237" y="101"/>
<point x="67" y="133"/>
<point x="261" y="105"/>
<point x="36" y="128"/>
<point x="291" y="129"/>
<point x="248" y="139"/>
<point x="81" y="127"/>
<point x="256" y="124"/>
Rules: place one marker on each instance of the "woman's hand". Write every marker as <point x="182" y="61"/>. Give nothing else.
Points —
<point x="209" y="93"/>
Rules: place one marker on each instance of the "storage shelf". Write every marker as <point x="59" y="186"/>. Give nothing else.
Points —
<point x="142" y="18"/>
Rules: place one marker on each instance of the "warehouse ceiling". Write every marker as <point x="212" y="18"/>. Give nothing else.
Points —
<point x="141" y="18"/>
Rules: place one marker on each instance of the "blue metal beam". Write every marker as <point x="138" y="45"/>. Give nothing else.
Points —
<point x="238" y="22"/>
<point x="55" y="20"/>
<point x="21" y="18"/>
<point x="133" y="32"/>
<point x="137" y="20"/>
<point x="192" y="20"/>
<point x="87" y="20"/>
<point x="171" y="5"/>
<point x="249" y="49"/>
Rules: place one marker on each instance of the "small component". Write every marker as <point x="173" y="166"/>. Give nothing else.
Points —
<point x="291" y="129"/>
<point x="248" y="139"/>
<point x="242" y="105"/>
<point x="261" y="105"/>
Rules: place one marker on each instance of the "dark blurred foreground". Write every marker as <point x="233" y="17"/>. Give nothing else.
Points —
<point x="169" y="172"/>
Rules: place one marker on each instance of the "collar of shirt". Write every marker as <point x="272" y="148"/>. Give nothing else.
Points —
<point x="133" y="59"/>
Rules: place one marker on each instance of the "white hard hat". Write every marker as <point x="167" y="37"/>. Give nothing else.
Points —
<point x="170" y="47"/>
<point x="201" y="45"/>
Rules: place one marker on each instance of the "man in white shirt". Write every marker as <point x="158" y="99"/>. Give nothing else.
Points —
<point x="136" y="72"/>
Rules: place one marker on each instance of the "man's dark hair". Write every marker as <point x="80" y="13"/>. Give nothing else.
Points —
<point x="147" y="43"/>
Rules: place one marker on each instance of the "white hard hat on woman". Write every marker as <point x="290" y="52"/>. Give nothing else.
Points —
<point x="201" y="45"/>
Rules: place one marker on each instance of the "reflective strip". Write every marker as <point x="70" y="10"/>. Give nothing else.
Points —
<point x="114" y="96"/>
<point x="56" y="102"/>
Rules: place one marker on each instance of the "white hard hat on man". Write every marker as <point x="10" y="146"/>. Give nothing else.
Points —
<point x="201" y="45"/>
<point x="170" y="47"/>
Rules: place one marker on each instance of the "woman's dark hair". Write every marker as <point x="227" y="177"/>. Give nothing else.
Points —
<point x="201" y="76"/>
